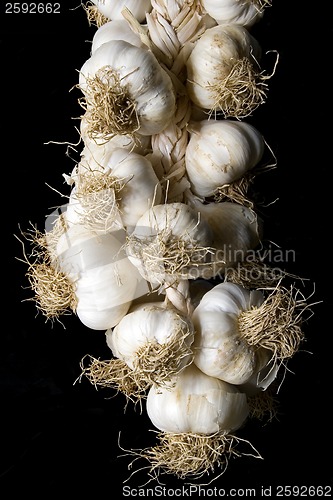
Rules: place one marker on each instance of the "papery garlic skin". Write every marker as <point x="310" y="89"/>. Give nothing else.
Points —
<point x="118" y="29"/>
<point x="219" y="350"/>
<point x="106" y="282"/>
<point x="112" y="9"/>
<point x="143" y="79"/>
<point x="243" y="12"/>
<point x="265" y="374"/>
<point x="147" y="324"/>
<point x="141" y="190"/>
<point x="170" y="242"/>
<point x="197" y="404"/>
<point x="220" y="152"/>
<point x="213" y="58"/>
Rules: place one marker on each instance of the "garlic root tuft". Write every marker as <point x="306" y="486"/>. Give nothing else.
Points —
<point x="54" y="291"/>
<point x="243" y="80"/>
<point x="276" y="324"/>
<point x="115" y="374"/>
<point x="94" y="16"/>
<point x="109" y="109"/>
<point x="158" y="363"/>
<point x="191" y="455"/>
<point x="263" y="405"/>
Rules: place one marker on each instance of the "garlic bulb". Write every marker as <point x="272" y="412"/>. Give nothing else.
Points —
<point x="105" y="280"/>
<point x="120" y="189"/>
<point x="197" y="404"/>
<point x="154" y="340"/>
<point x="244" y="12"/>
<point x="223" y="73"/>
<point x="115" y="30"/>
<point x="125" y="90"/>
<point x="112" y="9"/>
<point x="220" y="152"/>
<point x="170" y="243"/>
<point x="236" y="231"/>
<point x="195" y="418"/>
<point x="219" y="349"/>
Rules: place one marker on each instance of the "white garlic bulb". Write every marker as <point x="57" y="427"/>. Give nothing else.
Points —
<point x="223" y="73"/>
<point x="112" y="9"/>
<point x="219" y="349"/>
<point x="236" y="231"/>
<point x="126" y="90"/>
<point x="244" y="12"/>
<point x="121" y="187"/>
<point x="220" y="152"/>
<point x="154" y="340"/>
<point x="105" y="280"/>
<point x="170" y="243"/>
<point x="197" y="404"/>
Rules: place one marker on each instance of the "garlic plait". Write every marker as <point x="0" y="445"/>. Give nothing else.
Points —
<point x="125" y="91"/>
<point x="220" y="152"/>
<point x="159" y="247"/>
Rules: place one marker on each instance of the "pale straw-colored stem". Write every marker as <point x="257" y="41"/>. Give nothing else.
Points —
<point x="173" y="27"/>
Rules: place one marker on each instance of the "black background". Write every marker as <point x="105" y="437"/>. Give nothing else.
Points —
<point x="58" y="436"/>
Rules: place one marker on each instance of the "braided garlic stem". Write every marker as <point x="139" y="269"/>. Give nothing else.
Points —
<point x="174" y="26"/>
